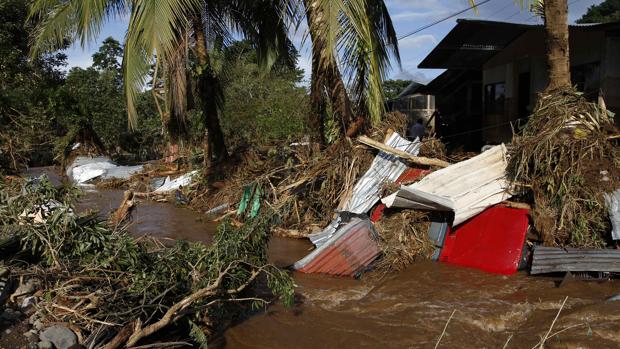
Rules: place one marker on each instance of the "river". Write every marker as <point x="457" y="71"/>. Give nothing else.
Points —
<point x="408" y="309"/>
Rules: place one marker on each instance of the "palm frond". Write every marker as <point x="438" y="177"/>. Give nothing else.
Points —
<point x="60" y="22"/>
<point x="155" y="30"/>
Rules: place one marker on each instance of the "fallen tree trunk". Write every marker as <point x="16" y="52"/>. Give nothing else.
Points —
<point x="418" y="160"/>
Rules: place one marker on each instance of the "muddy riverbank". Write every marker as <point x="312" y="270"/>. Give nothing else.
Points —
<point x="405" y="310"/>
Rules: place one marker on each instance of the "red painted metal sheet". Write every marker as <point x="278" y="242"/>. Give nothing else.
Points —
<point x="492" y="241"/>
<point x="346" y="255"/>
<point x="410" y="175"/>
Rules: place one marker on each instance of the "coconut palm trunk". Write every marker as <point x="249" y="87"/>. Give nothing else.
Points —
<point x="326" y="78"/>
<point x="556" y="26"/>
<point x="209" y="93"/>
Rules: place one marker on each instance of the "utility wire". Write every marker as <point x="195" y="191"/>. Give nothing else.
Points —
<point x="443" y="19"/>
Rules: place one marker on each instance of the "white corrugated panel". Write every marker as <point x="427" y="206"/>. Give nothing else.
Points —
<point x="385" y="168"/>
<point x="466" y="188"/>
<point x="613" y="206"/>
<point x="86" y="168"/>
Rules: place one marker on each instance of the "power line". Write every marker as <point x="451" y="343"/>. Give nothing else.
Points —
<point x="443" y="19"/>
<point x="509" y="4"/>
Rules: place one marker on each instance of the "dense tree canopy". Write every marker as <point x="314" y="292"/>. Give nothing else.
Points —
<point x="393" y="88"/>
<point x="606" y="11"/>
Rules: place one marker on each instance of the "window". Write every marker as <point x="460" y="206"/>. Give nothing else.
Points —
<point x="494" y="96"/>
<point x="587" y="78"/>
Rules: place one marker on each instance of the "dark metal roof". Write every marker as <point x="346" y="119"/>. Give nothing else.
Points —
<point x="412" y="88"/>
<point x="471" y="43"/>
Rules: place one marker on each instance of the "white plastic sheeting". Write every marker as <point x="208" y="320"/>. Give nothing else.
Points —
<point x="466" y="188"/>
<point x="173" y="184"/>
<point x="385" y="168"/>
<point x="613" y="206"/>
<point x="86" y="168"/>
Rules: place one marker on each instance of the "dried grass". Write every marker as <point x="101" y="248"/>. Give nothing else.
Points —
<point x="302" y="183"/>
<point x="404" y="239"/>
<point x="433" y="147"/>
<point x="561" y="153"/>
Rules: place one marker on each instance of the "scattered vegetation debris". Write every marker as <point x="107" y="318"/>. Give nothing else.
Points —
<point x="403" y="240"/>
<point x="112" y="288"/>
<point x="301" y="183"/>
<point x="563" y="158"/>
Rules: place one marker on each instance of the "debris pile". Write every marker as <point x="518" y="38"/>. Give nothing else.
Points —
<point x="564" y="164"/>
<point x="565" y="160"/>
<point x="299" y="181"/>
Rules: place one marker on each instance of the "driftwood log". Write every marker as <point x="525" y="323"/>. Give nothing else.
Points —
<point x="123" y="212"/>
<point x="418" y="160"/>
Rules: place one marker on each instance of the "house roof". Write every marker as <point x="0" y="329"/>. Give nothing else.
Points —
<point x="412" y="88"/>
<point x="473" y="42"/>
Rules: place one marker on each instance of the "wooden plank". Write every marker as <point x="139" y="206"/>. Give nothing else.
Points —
<point x="420" y="160"/>
<point x="551" y="260"/>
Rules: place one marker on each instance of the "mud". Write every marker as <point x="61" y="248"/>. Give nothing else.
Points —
<point x="408" y="309"/>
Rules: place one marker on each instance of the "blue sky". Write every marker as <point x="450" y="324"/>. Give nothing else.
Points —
<point x="407" y="16"/>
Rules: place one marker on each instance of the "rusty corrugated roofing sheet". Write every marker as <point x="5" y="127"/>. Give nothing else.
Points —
<point x="348" y="251"/>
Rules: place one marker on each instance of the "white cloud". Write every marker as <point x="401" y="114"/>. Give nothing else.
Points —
<point x="418" y="41"/>
<point x="419" y="15"/>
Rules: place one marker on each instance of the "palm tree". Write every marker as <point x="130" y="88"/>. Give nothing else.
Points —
<point x="161" y="32"/>
<point x="556" y="27"/>
<point x="357" y="35"/>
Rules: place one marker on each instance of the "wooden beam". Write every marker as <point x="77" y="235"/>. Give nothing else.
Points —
<point x="418" y="160"/>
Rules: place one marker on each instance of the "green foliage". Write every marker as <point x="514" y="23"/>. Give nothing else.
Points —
<point x="109" y="55"/>
<point x="27" y="88"/>
<point x="605" y="12"/>
<point x="137" y="279"/>
<point x="261" y="107"/>
<point x="393" y="88"/>
<point x="198" y="335"/>
<point x="95" y="97"/>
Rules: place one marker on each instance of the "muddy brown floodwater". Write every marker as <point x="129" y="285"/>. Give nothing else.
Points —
<point x="407" y="309"/>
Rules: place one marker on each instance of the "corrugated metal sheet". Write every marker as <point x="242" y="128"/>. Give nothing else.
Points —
<point x="613" y="207"/>
<point x="553" y="260"/>
<point x="385" y="168"/>
<point x="348" y="252"/>
<point x="466" y="188"/>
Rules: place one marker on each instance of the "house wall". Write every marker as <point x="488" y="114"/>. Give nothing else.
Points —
<point x="527" y="55"/>
<point x="416" y="106"/>
<point x="610" y="74"/>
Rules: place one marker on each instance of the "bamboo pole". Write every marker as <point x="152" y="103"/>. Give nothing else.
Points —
<point x="419" y="160"/>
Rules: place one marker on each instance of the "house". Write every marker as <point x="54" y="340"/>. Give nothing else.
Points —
<point x="414" y="103"/>
<point x="495" y="71"/>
